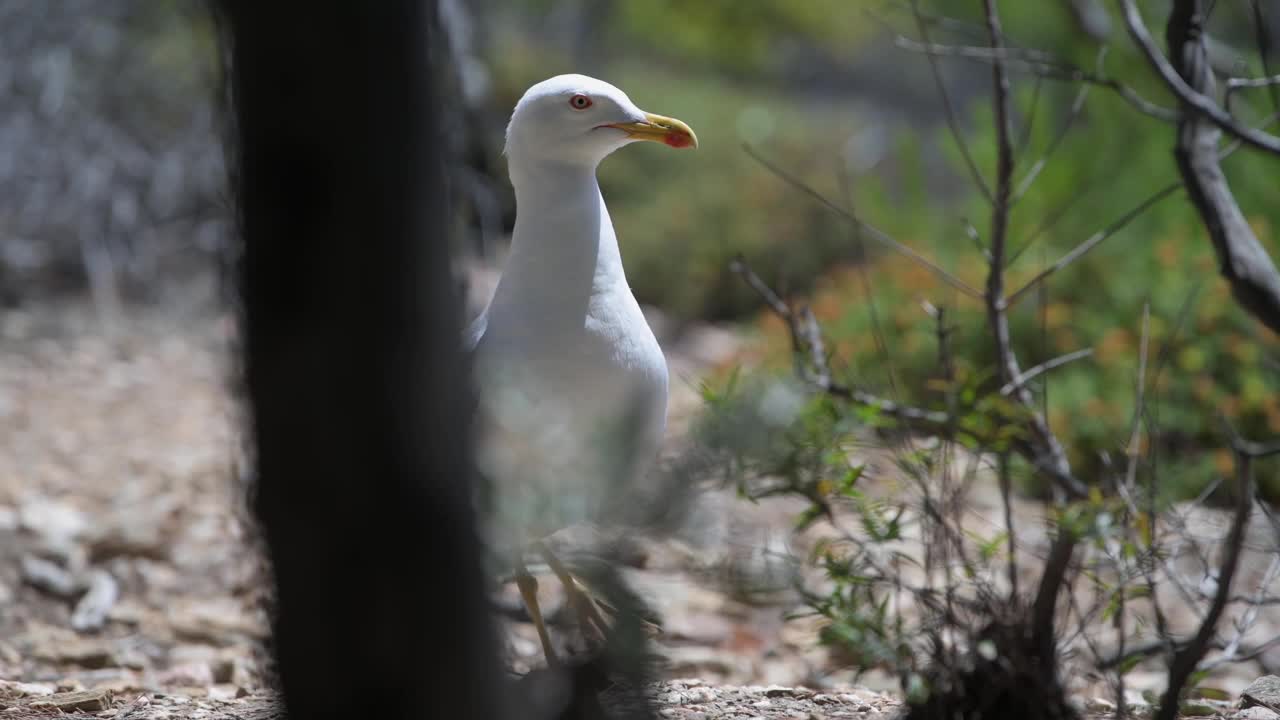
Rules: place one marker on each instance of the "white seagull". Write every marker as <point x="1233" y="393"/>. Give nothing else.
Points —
<point x="571" y="381"/>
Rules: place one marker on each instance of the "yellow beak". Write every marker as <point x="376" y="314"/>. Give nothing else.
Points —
<point x="658" y="128"/>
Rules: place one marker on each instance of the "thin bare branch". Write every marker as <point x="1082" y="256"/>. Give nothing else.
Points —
<point x="971" y="232"/>
<point x="957" y="26"/>
<point x="1259" y="450"/>
<point x="935" y="422"/>
<point x="1052" y="578"/>
<point x="1027" y="127"/>
<point x="1245" y="83"/>
<point x="820" y="376"/>
<point x="766" y="293"/>
<point x="1041" y="65"/>
<point x="1155" y="647"/>
<point x="1095" y="240"/>
<point x="1051" y="65"/>
<point x="949" y="110"/>
<point x="870" y="230"/>
<point x="1263" y="40"/>
<point x="1076" y="106"/>
<point x="1135" y="431"/>
<point x="1243" y="655"/>
<point x="1061" y="211"/>
<point x="1033" y="372"/>
<point x="868" y="293"/>
<point x="1006" y="501"/>
<point x="1004" y="180"/>
<point x="1188" y="657"/>
<point x="994" y="295"/>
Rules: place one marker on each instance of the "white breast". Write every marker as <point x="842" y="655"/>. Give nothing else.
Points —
<point x="570" y="420"/>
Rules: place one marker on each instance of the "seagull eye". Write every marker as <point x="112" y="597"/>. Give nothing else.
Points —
<point x="579" y="102"/>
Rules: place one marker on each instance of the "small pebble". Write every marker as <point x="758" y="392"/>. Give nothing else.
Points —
<point x="1100" y="705"/>
<point x="700" y="695"/>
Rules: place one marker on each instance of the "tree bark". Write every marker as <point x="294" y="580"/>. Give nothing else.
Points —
<point x="360" y="414"/>
<point x="1242" y="260"/>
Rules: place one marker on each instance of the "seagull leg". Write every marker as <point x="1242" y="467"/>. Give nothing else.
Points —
<point x="528" y="586"/>
<point x="588" y="615"/>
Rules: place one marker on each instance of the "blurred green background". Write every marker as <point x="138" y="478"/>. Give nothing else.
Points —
<point x="818" y="87"/>
<point x="821" y="90"/>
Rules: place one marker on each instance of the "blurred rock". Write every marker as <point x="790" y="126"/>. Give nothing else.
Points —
<point x="57" y="526"/>
<point x="196" y="674"/>
<point x="216" y="622"/>
<point x="8" y="654"/>
<point x="702" y="628"/>
<point x="226" y="692"/>
<point x="27" y="689"/>
<point x="48" y="576"/>
<point x="87" y="700"/>
<point x="1264" y="692"/>
<point x="91" y="611"/>
<point x="132" y="532"/>
<point x="81" y="653"/>
<point x="704" y="662"/>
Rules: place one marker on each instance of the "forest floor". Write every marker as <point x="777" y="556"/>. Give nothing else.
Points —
<point x="126" y="587"/>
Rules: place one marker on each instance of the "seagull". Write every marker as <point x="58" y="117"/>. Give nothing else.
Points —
<point x="571" y="382"/>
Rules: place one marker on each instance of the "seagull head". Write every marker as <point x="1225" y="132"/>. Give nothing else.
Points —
<point x="580" y="120"/>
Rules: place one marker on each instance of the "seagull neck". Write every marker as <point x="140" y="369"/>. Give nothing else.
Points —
<point x="562" y="231"/>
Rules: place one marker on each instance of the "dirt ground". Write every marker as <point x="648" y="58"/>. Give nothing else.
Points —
<point x="125" y="574"/>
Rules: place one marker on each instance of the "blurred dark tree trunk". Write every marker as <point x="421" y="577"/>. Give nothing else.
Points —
<point x="359" y="408"/>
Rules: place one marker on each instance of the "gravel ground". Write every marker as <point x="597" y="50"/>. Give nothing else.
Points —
<point x="127" y="567"/>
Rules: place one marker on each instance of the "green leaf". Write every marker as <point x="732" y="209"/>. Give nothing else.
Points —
<point x="809" y="517"/>
<point x="1211" y="694"/>
<point x="1128" y="664"/>
<point x="849" y="480"/>
<point x="989" y="548"/>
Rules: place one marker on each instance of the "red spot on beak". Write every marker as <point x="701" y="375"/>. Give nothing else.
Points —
<point x="677" y="140"/>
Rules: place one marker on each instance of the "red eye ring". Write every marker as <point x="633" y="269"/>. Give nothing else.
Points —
<point x="580" y="102"/>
